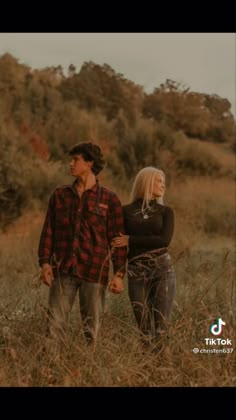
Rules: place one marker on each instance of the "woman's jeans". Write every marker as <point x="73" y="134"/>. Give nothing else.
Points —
<point x="61" y="298"/>
<point x="151" y="286"/>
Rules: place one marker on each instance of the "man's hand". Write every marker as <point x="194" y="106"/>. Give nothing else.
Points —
<point x="47" y="274"/>
<point x="116" y="285"/>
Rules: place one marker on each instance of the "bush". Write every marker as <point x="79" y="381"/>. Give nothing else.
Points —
<point x="193" y="161"/>
<point x="24" y="177"/>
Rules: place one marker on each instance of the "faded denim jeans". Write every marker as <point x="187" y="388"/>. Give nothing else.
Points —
<point x="151" y="286"/>
<point x="61" y="298"/>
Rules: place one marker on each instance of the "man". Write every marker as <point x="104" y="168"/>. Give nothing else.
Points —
<point x="75" y="244"/>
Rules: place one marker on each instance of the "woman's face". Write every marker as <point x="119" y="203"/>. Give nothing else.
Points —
<point x="158" y="186"/>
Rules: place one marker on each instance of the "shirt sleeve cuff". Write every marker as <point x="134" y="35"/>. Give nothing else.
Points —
<point x="44" y="261"/>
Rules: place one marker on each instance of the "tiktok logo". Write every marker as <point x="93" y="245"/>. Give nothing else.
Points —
<point x="216" y="329"/>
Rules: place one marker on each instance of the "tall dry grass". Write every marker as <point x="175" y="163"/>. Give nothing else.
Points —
<point x="205" y="267"/>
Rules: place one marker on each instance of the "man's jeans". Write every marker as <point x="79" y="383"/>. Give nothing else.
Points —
<point x="151" y="285"/>
<point x="61" y="298"/>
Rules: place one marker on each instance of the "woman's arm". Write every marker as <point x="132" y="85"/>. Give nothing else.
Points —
<point x="156" y="241"/>
<point x="150" y="241"/>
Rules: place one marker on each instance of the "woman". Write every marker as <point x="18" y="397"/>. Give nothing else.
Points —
<point x="149" y="227"/>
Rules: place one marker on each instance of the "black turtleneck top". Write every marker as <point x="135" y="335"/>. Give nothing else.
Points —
<point x="148" y="231"/>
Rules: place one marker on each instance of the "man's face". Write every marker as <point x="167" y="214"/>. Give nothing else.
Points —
<point x="79" y="166"/>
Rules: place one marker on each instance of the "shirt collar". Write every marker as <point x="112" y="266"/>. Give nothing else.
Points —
<point x="93" y="189"/>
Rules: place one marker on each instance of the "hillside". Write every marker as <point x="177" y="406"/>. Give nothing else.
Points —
<point x="44" y="112"/>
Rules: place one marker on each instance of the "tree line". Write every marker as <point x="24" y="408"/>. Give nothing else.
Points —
<point x="44" y="112"/>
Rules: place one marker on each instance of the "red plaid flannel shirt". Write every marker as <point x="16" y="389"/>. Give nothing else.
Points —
<point x="77" y="233"/>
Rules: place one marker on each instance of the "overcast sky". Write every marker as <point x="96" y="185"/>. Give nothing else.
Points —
<point x="205" y="62"/>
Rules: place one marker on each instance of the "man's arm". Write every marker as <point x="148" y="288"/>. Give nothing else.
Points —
<point x="115" y="227"/>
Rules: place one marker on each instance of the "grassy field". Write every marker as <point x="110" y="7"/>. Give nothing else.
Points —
<point x="205" y="290"/>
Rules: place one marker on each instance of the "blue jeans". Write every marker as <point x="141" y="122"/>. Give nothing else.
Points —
<point x="151" y="287"/>
<point x="61" y="298"/>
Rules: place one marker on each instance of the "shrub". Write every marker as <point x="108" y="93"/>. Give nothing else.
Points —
<point x="193" y="161"/>
<point x="24" y="177"/>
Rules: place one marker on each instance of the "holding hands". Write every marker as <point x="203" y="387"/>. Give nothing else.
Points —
<point x="116" y="285"/>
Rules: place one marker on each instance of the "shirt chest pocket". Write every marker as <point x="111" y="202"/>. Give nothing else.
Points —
<point x="97" y="216"/>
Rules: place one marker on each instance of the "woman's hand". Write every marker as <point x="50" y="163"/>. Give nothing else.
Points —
<point x="122" y="240"/>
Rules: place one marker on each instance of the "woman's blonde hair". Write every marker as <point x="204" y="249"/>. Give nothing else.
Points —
<point x="143" y="186"/>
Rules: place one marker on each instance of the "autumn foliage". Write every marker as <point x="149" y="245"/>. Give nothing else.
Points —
<point x="44" y="112"/>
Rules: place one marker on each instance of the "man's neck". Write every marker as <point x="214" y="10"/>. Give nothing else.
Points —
<point x="86" y="182"/>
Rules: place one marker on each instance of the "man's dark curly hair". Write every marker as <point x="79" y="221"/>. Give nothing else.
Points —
<point x="90" y="152"/>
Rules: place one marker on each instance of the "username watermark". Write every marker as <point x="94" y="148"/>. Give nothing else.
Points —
<point x="196" y="350"/>
<point x="216" y="329"/>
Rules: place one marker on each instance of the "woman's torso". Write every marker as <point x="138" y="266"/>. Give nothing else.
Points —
<point x="150" y="230"/>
